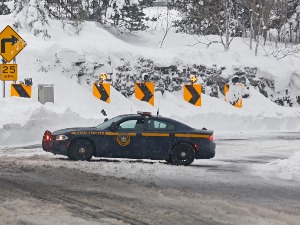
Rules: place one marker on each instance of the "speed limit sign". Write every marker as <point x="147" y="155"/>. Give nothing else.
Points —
<point x="8" y="72"/>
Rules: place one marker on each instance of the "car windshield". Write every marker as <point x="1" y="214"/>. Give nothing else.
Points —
<point x="107" y="123"/>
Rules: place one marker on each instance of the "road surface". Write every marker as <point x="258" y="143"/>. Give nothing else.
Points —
<point x="235" y="187"/>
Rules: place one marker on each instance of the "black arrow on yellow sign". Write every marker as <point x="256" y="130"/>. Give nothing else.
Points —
<point x="145" y="92"/>
<point x="192" y="94"/>
<point x="102" y="91"/>
<point x="13" y="40"/>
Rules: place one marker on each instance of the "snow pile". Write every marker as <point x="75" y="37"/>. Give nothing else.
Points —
<point x="24" y="121"/>
<point x="286" y="168"/>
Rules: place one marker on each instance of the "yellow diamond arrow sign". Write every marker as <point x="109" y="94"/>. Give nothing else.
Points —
<point x="193" y="78"/>
<point x="103" y="76"/>
<point x="10" y="44"/>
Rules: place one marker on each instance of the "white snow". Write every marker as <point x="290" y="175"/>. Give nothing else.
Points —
<point x="283" y="168"/>
<point x="23" y="121"/>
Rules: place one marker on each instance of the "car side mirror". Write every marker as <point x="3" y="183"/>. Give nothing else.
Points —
<point x="114" y="127"/>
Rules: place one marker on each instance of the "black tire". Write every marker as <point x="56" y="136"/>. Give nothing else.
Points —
<point x="170" y="159"/>
<point x="70" y="156"/>
<point x="81" y="149"/>
<point x="183" y="154"/>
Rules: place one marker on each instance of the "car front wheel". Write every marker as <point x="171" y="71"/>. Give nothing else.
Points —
<point x="170" y="159"/>
<point x="183" y="154"/>
<point x="81" y="149"/>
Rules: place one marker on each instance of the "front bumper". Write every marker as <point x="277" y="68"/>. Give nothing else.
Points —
<point x="56" y="147"/>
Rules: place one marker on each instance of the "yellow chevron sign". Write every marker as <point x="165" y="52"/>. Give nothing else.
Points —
<point x="193" y="94"/>
<point x="233" y="94"/>
<point x="20" y="90"/>
<point x="102" y="91"/>
<point x="145" y="92"/>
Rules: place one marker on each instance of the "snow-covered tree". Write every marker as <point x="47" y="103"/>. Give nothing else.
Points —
<point x="4" y="10"/>
<point x="127" y="13"/>
<point x="133" y="17"/>
<point x="209" y="17"/>
<point x="38" y="17"/>
<point x="32" y="15"/>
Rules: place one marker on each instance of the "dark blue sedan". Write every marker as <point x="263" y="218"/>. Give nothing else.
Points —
<point x="134" y="136"/>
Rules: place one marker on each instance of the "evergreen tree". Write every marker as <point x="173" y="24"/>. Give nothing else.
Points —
<point x="208" y="17"/>
<point x="4" y="10"/>
<point x="19" y="17"/>
<point x="97" y="10"/>
<point x="128" y="13"/>
<point x="37" y="20"/>
<point x="133" y="17"/>
<point x="32" y="15"/>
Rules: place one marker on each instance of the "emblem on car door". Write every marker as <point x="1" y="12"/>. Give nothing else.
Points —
<point x="123" y="139"/>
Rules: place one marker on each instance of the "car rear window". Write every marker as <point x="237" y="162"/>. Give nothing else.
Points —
<point x="159" y="125"/>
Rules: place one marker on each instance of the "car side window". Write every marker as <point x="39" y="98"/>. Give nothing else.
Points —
<point x="128" y="124"/>
<point x="158" y="125"/>
<point x="133" y="124"/>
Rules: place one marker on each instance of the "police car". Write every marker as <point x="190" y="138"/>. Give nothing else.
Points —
<point x="134" y="136"/>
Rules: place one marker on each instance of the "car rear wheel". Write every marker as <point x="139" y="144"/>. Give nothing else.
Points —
<point x="183" y="154"/>
<point x="81" y="149"/>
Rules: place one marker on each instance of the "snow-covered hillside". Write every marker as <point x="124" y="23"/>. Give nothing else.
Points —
<point x="73" y="63"/>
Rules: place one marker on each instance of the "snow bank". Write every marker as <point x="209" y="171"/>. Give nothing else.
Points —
<point x="258" y="113"/>
<point x="24" y="121"/>
<point x="285" y="168"/>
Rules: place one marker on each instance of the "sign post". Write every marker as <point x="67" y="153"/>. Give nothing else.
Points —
<point x="11" y="44"/>
<point x="3" y="89"/>
<point x="4" y="62"/>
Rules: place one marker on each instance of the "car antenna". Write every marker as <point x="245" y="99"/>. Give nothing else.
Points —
<point x="157" y="113"/>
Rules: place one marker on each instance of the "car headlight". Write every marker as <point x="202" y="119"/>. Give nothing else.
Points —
<point x="61" y="137"/>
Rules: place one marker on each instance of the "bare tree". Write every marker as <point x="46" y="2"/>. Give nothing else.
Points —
<point x="167" y="27"/>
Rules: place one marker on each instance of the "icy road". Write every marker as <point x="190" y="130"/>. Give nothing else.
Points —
<point x="252" y="180"/>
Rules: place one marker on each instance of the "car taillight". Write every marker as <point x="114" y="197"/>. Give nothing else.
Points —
<point x="47" y="135"/>
<point x="196" y="147"/>
<point x="211" y="138"/>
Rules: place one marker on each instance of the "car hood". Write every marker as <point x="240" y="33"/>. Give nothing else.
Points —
<point x="68" y="130"/>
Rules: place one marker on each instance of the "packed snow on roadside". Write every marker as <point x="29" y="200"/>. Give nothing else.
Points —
<point x="288" y="169"/>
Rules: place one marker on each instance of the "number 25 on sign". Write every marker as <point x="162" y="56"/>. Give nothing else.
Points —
<point x="8" y="72"/>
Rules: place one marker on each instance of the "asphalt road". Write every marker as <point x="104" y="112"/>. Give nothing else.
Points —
<point x="229" y="189"/>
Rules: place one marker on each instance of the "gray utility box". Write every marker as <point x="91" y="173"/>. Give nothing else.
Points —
<point x="45" y="93"/>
